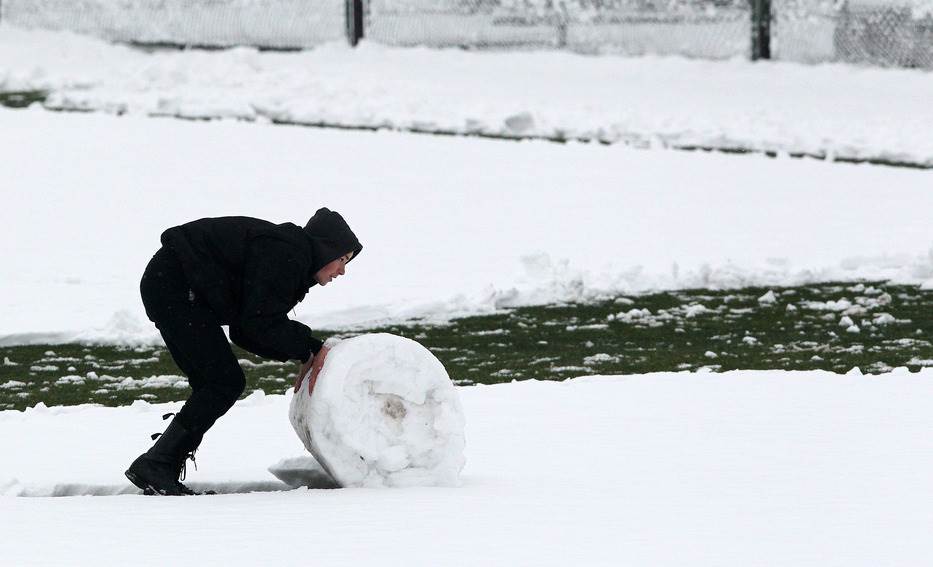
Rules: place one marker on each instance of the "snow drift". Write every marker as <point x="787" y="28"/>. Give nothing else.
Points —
<point x="383" y="413"/>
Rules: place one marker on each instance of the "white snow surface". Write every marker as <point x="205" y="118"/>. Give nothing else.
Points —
<point x="830" y="110"/>
<point x="734" y="469"/>
<point x="383" y="413"/>
<point x="450" y="226"/>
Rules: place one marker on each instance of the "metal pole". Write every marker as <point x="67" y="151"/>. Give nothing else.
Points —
<point x="561" y="31"/>
<point x="761" y="29"/>
<point x="561" y="18"/>
<point x="354" y="21"/>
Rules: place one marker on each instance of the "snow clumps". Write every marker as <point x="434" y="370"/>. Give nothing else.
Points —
<point x="768" y="298"/>
<point x="383" y="413"/>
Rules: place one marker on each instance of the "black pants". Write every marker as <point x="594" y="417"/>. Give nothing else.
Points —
<point x="195" y="339"/>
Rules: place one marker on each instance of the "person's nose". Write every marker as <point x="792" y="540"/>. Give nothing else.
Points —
<point x="341" y="270"/>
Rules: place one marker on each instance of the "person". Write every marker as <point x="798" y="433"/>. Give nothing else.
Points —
<point x="246" y="273"/>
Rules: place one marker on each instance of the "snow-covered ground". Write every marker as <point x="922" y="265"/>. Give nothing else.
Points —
<point x="833" y="110"/>
<point x="449" y="225"/>
<point x="741" y="468"/>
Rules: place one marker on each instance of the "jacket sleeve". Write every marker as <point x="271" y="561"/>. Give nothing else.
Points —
<point x="242" y="340"/>
<point x="272" y="276"/>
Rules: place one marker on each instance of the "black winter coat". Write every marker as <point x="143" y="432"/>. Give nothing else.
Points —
<point x="252" y="273"/>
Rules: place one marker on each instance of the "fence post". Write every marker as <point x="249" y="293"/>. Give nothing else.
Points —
<point x="761" y="29"/>
<point x="562" y="20"/>
<point x="354" y="21"/>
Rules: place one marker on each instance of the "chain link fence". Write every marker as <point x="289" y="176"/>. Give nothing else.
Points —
<point x="633" y="27"/>
<point x="899" y="34"/>
<point x="273" y="24"/>
<point x="876" y="32"/>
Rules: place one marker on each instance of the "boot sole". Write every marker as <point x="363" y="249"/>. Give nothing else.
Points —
<point x="150" y="490"/>
<point x="147" y="488"/>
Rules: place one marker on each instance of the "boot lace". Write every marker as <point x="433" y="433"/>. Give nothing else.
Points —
<point x="184" y="464"/>
<point x="183" y="470"/>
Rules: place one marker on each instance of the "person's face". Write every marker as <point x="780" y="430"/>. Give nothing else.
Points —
<point x="330" y="271"/>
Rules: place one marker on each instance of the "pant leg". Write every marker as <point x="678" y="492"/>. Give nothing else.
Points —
<point x="195" y="339"/>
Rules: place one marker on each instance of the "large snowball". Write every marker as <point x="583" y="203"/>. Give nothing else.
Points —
<point x="383" y="413"/>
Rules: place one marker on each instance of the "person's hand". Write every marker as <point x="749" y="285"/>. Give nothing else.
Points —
<point x="316" y="364"/>
<point x="303" y="369"/>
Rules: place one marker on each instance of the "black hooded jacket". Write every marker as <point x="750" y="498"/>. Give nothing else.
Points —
<point x="252" y="273"/>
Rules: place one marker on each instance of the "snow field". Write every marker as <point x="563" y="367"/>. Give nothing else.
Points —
<point x="383" y="413"/>
<point x="452" y="226"/>
<point x="827" y="110"/>
<point x="740" y="468"/>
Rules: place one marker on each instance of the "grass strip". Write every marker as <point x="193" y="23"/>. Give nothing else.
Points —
<point x="832" y="326"/>
<point x="21" y="99"/>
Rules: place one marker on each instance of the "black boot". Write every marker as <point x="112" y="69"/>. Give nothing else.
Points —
<point x="157" y="470"/>
<point x="190" y="449"/>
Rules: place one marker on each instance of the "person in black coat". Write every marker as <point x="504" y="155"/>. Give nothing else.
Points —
<point x="248" y="274"/>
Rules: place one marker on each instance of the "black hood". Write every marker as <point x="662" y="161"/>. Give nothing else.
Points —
<point x="330" y="237"/>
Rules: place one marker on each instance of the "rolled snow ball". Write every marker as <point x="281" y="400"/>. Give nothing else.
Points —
<point x="383" y="413"/>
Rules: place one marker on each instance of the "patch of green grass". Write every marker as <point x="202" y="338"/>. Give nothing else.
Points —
<point x="683" y="330"/>
<point x="691" y="330"/>
<point x="21" y="99"/>
<point x="69" y="374"/>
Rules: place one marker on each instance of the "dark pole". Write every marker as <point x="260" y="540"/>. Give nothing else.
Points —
<point x="354" y="21"/>
<point x="761" y="29"/>
<point x="561" y="19"/>
<point x="561" y="31"/>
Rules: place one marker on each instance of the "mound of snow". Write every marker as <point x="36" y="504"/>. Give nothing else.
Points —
<point x="383" y="413"/>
